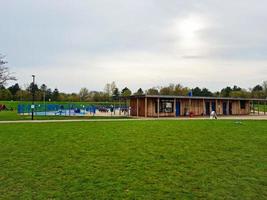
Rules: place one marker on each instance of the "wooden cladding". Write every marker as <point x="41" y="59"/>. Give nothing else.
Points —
<point x="148" y="107"/>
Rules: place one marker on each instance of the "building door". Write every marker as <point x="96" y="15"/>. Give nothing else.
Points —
<point x="177" y="108"/>
<point x="230" y="108"/>
<point x="225" y="108"/>
<point x="213" y="106"/>
<point x="207" y="105"/>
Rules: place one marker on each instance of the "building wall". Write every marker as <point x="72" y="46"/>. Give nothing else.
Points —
<point x="197" y="107"/>
<point x="141" y="107"/>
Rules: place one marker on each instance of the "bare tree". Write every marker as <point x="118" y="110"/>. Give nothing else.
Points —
<point x="84" y="93"/>
<point x="5" y="74"/>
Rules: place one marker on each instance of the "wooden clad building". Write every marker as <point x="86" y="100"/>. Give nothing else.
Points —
<point x="175" y="106"/>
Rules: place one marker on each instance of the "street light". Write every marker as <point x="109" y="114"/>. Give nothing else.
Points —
<point x="33" y="93"/>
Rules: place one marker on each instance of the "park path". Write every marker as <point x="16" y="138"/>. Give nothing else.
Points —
<point x="245" y="117"/>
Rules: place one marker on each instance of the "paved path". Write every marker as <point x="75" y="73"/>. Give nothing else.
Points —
<point x="245" y="117"/>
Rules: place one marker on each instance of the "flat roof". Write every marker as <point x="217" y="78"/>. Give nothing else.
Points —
<point x="195" y="97"/>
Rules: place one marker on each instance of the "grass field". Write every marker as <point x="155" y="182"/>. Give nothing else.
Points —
<point x="260" y="107"/>
<point x="134" y="160"/>
<point x="13" y="116"/>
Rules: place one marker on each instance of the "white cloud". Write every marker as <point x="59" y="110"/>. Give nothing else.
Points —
<point x="73" y="44"/>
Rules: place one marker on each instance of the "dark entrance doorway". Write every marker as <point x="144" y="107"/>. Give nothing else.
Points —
<point x="213" y="106"/>
<point x="207" y="106"/>
<point x="225" y="108"/>
<point x="177" y="108"/>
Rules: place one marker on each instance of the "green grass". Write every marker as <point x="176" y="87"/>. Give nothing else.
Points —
<point x="134" y="160"/>
<point x="13" y="116"/>
<point x="260" y="107"/>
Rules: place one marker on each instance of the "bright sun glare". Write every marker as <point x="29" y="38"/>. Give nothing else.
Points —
<point x="188" y="30"/>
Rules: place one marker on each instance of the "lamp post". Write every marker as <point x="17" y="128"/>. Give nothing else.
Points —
<point x="33" y="94"/>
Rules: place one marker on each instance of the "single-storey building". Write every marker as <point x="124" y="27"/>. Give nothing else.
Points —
<point x="175" y="106"/>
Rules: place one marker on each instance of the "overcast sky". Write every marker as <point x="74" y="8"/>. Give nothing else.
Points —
<point x="71" y="44"/>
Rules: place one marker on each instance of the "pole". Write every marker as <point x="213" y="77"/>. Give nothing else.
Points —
<point x="265" y="107"/>
<point x="158" y="107"/>
<point x="145" y="106"/>
<point x="258" y="108"/>
<point x="137" y="103"/>
<point x="44" y="104"/>
<point x="33" y="84"/>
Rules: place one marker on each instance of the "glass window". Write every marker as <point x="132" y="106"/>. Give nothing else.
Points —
<point x="165" y="106"/>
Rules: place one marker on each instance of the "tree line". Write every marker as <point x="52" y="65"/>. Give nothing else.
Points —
<point x="111" y="92"/>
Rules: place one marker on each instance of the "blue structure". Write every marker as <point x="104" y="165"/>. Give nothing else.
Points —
<point x="56" y="109"/>
<point x="67" y="109"/>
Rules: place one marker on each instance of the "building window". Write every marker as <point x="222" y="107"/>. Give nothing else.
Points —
<point x="242" y="104"/>
<point x="165" y="106"/>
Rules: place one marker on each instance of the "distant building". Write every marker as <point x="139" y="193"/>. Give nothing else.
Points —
<point x="175" y="106"/>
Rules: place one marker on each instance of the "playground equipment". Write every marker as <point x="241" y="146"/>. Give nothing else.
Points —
<point x="2" y="107"/>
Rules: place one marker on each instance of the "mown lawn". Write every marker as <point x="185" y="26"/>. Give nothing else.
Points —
<point x="14" y="116"/>
<point x="261" y="108"/>
<point x="134" y="160"/>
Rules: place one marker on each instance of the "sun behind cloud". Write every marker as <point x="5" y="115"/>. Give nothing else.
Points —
<point x="187" y="32"/>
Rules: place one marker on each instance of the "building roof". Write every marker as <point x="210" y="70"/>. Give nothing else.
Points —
<point x="195" y="97"/>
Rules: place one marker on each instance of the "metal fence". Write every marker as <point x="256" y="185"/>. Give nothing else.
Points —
<point x="70" y="109"/>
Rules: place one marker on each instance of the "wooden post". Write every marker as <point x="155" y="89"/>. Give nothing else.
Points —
<point x="239" y="107"/>
<point x="137" y="105"/>
<point x="158" y="107"/>
<point x="253" y="108"/>
<point x="189" y="107"/>
<point x="204" y="109"/>
<point x="145" y="106"/>
<point x="249" y="104"/>
<point x="227" y="111"/>
<point x="174" y="107"/>
<point x="216" y="107"/>
<point x="258" y="108"/>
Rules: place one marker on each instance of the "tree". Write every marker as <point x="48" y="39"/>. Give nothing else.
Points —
<point x="116" y="94"/>
<point x="84" y="93"/>
<point x="32" y="87"/>
<point x="240" y="93"/>
<point x="257" y="88"/>
<point x="197" y="92"/>
<point x="49" y="94"/>
<point x="264" y="86"/>
<point x="206" y="93"/>
<point x="5" y="94"/>
<point x="55" y="94"/>
<point x="23" y="95"/>
<point x="139" y="92"/>
<point x="5" y="75"/>
<point x="126" y="92"/>
<point x="180" y="90"/>
<point x="14" y="89"/>
<point x="152" y="91"/>
<point x="225" y="92"/>
<point x="109" y="88"/>
<point x="236" y="88"/>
